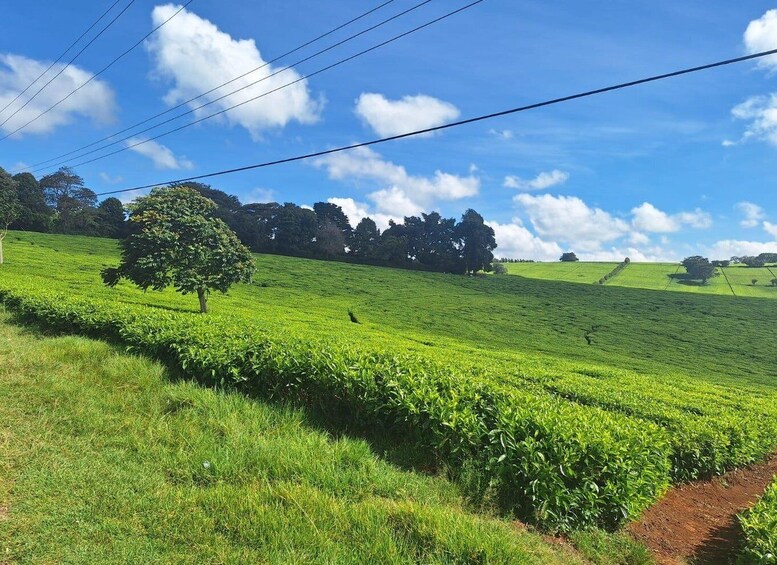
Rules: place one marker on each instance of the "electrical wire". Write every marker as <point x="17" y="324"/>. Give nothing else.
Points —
<point x="458" y="123"/>
<point x="190" y="100"/>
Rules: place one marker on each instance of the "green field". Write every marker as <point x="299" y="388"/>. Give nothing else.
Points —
<point x="568" y="404"/>
<point x="735" y="280"/>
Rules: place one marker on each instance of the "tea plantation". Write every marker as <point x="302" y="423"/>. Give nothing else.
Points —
<point x="566" y="404"/>
<point x="736" y="280"/>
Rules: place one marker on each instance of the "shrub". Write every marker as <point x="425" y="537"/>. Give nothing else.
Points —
<point x="759" y="526"/>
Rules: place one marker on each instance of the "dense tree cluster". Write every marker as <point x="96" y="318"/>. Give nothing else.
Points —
<point x="428" y="242"/>
<point x="757" y="260"/>
<point x="699" y="268"/>
<point x="61" y="203"/>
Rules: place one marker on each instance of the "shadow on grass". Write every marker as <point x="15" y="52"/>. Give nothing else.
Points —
<point x="685" y="279"/>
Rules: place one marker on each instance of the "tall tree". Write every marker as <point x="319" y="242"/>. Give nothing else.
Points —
<point x="326" y="212"/>
<point x="34" y="213"/>
<point x="9" y="206"/>
<point x="176" y="240"/>
<point x="111" y="218"/>
<point x="295" y="229"/>
<point x="59" y="186"/>
<point x="478" y="242"/>
<point x="365" y="239"/>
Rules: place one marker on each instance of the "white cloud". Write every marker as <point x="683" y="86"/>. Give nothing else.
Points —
<point x="569" y="219"/>
<point x="505" y="134"/>
<point x="761" y="112"/>
<point x="540" y="182"/>
<point x="770" y="228"/>
<point x="736" y="248"/>
<point x="650" y="219"/>
<point x="761" y="35"/>
<point x="638" y="238"/>
<point x="398" y="193"/>
<point x="394" y="117"/>
<point x="516" y="242"/>
<point x="356" y="211"/>
<point x="160" y="155"/>
<point x="108" y="179"/>
<point x="752" y="214"/>
<point x="641" y="255"/>
<point x="262" y="195"/>
<point x="196" y="56"/>
<point x="95" y="101"/>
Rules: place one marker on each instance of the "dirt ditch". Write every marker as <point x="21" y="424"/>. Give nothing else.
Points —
<point x="697" y="522"/>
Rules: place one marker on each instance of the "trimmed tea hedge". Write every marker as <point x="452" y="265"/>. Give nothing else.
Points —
<point x="759" y="525"/>
<point x="560" y="464"/>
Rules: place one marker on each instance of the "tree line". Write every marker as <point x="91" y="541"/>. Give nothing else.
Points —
<point x="61" y="203"/>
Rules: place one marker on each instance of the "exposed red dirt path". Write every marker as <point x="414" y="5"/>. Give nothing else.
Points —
<point x="697" y="522"/>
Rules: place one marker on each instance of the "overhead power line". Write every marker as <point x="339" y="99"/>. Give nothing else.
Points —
<point x="288" y="84"/>
<point x="214" y="89"/>
<point x="98" y="73"/>
<point x="58" y="59"/>
<point x="227" y="95"/>
<point x="472" y="120"/>
<point x="70" y="62"/>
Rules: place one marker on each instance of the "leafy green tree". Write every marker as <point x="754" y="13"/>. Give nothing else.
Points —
<point x="294" y="230"/>
<point x="328" y="213"/>
<point x="500" y="269"/>
<point x="365" y="239"/>
<point x="9" y="206"/>
<point x="699" y="268"/>
<point x="60" y="186"/>
<point x="111" y="218"/>
<point x="478" y="242"/>
<point x="568" y="257"/>
<point x="34" y="213"/>
<point x="774" y="282"/>
<point x="176" y="240"/>
<point x="330" y="241"/>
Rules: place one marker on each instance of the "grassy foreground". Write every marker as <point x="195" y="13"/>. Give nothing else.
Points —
<point x="103" y="460"/>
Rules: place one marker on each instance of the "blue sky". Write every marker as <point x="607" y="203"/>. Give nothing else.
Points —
<point x="656" y="172"/>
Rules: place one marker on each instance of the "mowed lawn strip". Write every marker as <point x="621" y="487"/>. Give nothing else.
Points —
<point x="102" y="459"/>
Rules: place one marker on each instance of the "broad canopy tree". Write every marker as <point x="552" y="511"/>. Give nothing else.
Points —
<point x="699" y="268"/>
<point x="176" y="240"/>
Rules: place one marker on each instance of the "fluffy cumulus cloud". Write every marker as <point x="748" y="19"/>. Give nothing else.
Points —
<point x="771" y="229"/>
<point x="752" y="214"/>
<point x="648" y="218"/>
<point x="394" y="117"/>
<point x="396" y="193"/>
<point x="761" y="35"/>
<point x="160" y="155"/>
<point x="761" y="113"/>
<point x="542" y="181"/>
<point x="95" y="101"/>
<point x="736" y="248"/>
<point x="515" y="241"/>
<point x="196" y="56"/>
<point x="569" y="219"/>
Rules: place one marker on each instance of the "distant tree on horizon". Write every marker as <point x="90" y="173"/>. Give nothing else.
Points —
<point x="9" y="206"/>
<point x="699" y="268"/>
<point x="568" y="257"/>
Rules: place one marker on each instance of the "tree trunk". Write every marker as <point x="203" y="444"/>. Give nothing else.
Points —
<point x="203" y="296"/>
<point x="2" y="237"/>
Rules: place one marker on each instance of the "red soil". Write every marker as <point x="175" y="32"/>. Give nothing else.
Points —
<point x="697" y="521"/>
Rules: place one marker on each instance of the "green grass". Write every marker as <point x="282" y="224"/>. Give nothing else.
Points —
<point x="656" y="276"/>
<point x="104" y="460"/>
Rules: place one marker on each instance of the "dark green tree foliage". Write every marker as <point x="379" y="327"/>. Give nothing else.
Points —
<point x="9" y="206"/>
<point x="365" y="239"/>
<point x="568" y="257"/>
<point x="60" y="186"/>
<point x="478" y="242"/>
<point x="699" y="268"/>
<point x="294" y="230"/>
<point x="758" y="261"/>
<point x="111" y="218"/>
<point x="34" y="213"/>
<point x="176" y="240"/>
<point x="328" y="213"/>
